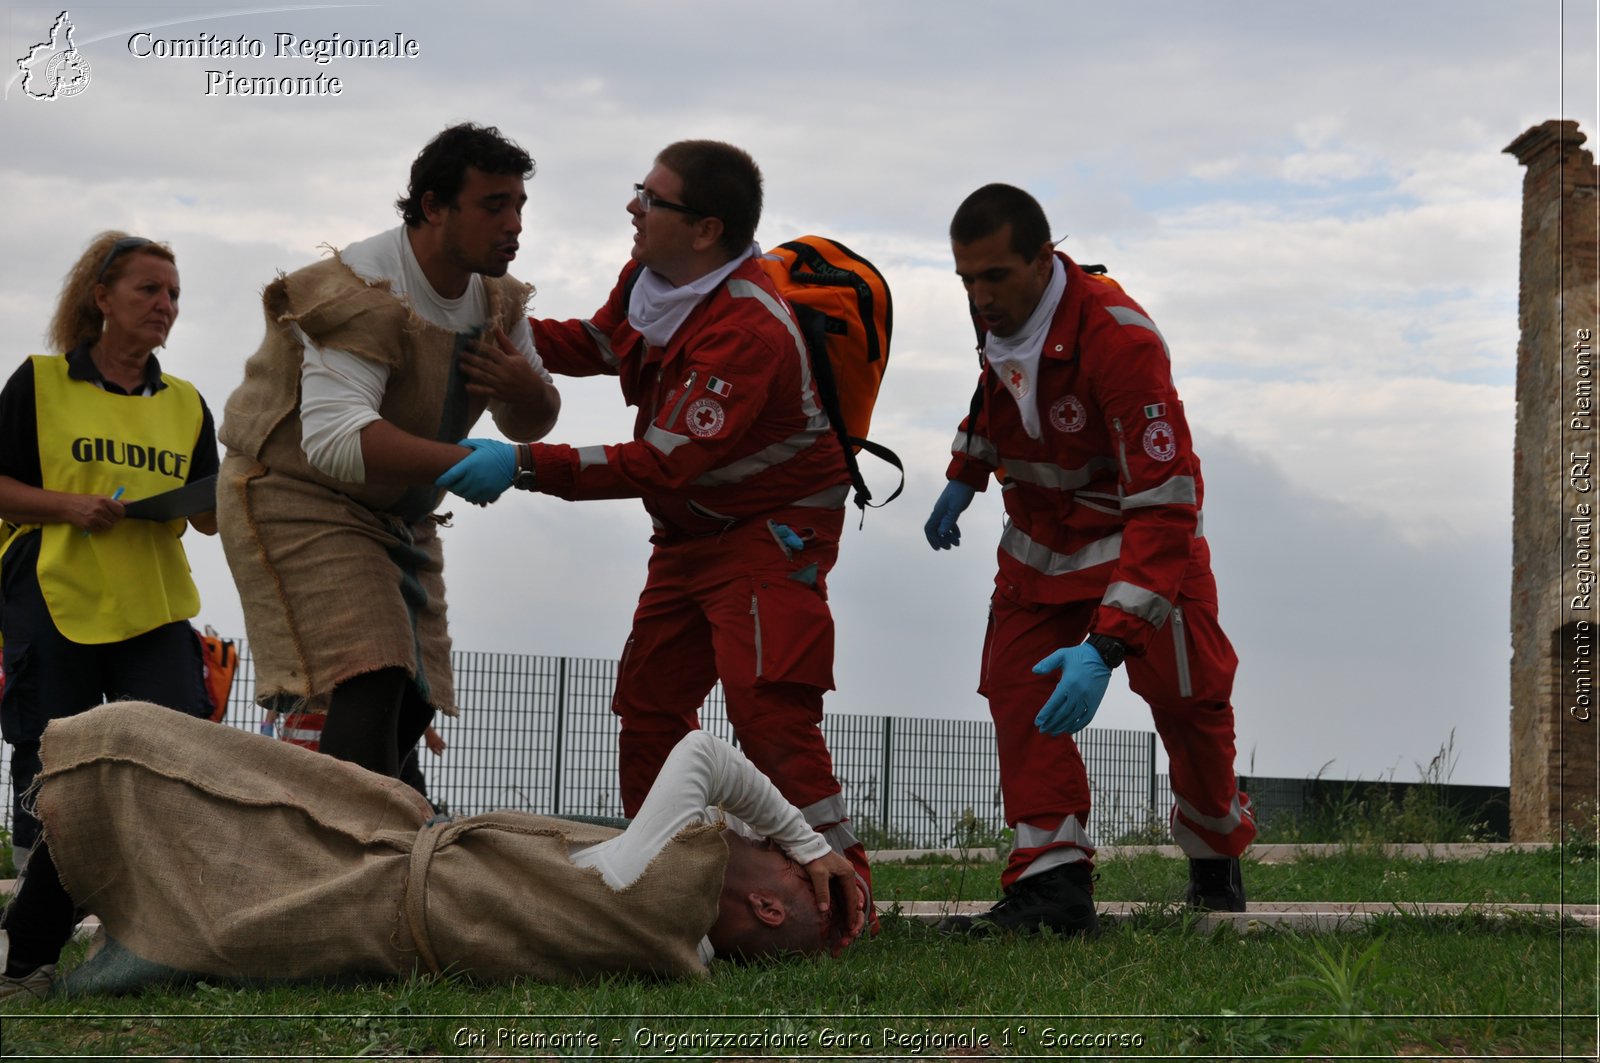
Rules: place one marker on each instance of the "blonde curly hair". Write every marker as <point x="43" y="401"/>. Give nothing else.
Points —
<point x="77" y="318"/>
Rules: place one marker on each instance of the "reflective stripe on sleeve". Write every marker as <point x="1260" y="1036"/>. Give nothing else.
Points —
<point x="602" y="342"/>
<point x="1179" y="490"/>
<point x="981" y="448"/>
<point x="1136" y="601"/>
<point x="1127" y="315"/>
<point x="663" y="440"/>
<point x="590" y="456"/>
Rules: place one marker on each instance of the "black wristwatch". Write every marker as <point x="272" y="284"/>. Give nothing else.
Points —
<point x="1111" y="650"/>
<point x="526" y="479"/>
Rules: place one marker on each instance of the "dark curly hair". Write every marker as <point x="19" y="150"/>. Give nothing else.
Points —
<point x="441" y="167"/>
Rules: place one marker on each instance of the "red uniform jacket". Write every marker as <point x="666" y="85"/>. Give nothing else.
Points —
<point x="1106" y="504"/>
<point x="729" y="427"/>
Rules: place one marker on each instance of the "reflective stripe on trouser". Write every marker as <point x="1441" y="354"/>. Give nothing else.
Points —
<point x="830" y="819"/>
<point x="1043" y="778"/>
<point x="1040" y="847"/>
<point x="1186" y="677"/>
<point x="725" y="607"/>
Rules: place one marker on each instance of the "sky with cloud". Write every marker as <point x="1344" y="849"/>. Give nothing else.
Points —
<point x="1310" y="199"/>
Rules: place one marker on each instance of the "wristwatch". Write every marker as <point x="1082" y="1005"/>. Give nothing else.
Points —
<point x="1111" y="650"/>
<point x="526" y="479"/>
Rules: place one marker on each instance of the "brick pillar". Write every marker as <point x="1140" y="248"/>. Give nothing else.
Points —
<point x="1556" y="489"/>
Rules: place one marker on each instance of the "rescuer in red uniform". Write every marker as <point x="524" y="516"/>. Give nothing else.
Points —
<point x="1102" y="562"/>
<point x="741" y="473"/>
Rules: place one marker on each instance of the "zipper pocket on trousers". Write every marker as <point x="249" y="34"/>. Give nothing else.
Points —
<point x="755" y="615"/>
<point x="1180" y="650"/>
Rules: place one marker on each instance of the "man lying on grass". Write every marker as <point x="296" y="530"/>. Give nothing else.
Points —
<point x="212" y="851"/>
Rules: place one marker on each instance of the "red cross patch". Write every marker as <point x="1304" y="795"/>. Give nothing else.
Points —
<point x="1160" y="442"/>
<point x="1068" y="414"/>
<point x="705" y="417"/>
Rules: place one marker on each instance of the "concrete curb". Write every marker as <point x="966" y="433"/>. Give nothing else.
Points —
<point x="1301" y="916"/>
<point x="1261" y="854"/>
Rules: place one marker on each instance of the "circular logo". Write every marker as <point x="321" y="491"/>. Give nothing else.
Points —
<point x="1160" y="442"/>
<point x="705" y="417"/>
<point x="1068" y="414"/>
<point x="67" y="74"/>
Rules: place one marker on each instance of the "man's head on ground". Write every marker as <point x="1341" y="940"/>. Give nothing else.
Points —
<point x="1004" y="255"/>
<point x="769" y="906"/>
<point x="696" y="209"/>
<point x="463" y="208"/>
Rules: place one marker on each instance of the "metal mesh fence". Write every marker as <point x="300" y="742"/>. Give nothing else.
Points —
<point x="537" y="734"/>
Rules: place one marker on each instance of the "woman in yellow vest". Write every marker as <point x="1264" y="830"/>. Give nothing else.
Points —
<point x="94" y="605"/>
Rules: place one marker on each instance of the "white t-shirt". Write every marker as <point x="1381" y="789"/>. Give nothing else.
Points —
<point x="340" y="393"/>
<point x="704" y="780"/>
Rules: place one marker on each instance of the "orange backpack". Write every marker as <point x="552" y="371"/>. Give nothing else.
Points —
<point x="846" y="315"/>
<point x="220" y="659"/>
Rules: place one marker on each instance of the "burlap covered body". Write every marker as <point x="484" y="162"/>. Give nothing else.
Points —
<point x="215" y="851"/>
<point x="338" y="579"/>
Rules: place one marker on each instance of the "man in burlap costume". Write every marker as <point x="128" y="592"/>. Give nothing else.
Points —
<point x="277" y="863"/>
<point x="375" y="362"/>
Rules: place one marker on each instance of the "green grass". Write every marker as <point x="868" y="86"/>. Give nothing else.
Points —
<point x="1362" y="873"/>
<point x="1159" y="986"/>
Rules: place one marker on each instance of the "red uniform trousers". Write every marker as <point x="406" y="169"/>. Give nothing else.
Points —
<point x="1185" y="676"/>
<point x="735" y="606"/>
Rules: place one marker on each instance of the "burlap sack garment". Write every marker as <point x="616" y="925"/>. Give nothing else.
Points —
<point x="217" y="851"/>
<point x="339" y="579"/>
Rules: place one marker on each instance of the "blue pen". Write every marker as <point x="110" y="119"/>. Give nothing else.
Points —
<point x="115" y="496"/>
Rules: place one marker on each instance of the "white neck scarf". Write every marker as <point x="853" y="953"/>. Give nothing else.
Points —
<point x="657" y="309"/>
<point x="1015" y="358"/>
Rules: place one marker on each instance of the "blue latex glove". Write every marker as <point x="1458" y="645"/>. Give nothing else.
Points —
<point x="483" y="475"/>
<point x="941" y="528"/>
<point x="268" y="730"/>
<point x="786" y="535"/>
<point x="1084" y="677"/>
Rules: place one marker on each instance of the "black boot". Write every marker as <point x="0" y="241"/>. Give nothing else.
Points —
<point x="1215" y="885"/>
<point x="1060" y="899"/>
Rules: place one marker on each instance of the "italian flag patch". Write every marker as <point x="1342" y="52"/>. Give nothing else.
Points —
<point x="718" y="386"/>
<point x="1158" y="409"/>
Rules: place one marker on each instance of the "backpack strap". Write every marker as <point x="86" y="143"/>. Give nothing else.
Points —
<point x="975" y="407"/>
<point x="814" y="327"/>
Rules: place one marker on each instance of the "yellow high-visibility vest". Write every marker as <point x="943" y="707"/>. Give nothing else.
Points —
<point x="115" y="584"/>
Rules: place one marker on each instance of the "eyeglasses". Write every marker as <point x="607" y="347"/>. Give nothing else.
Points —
<point x="649" y="201"/>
